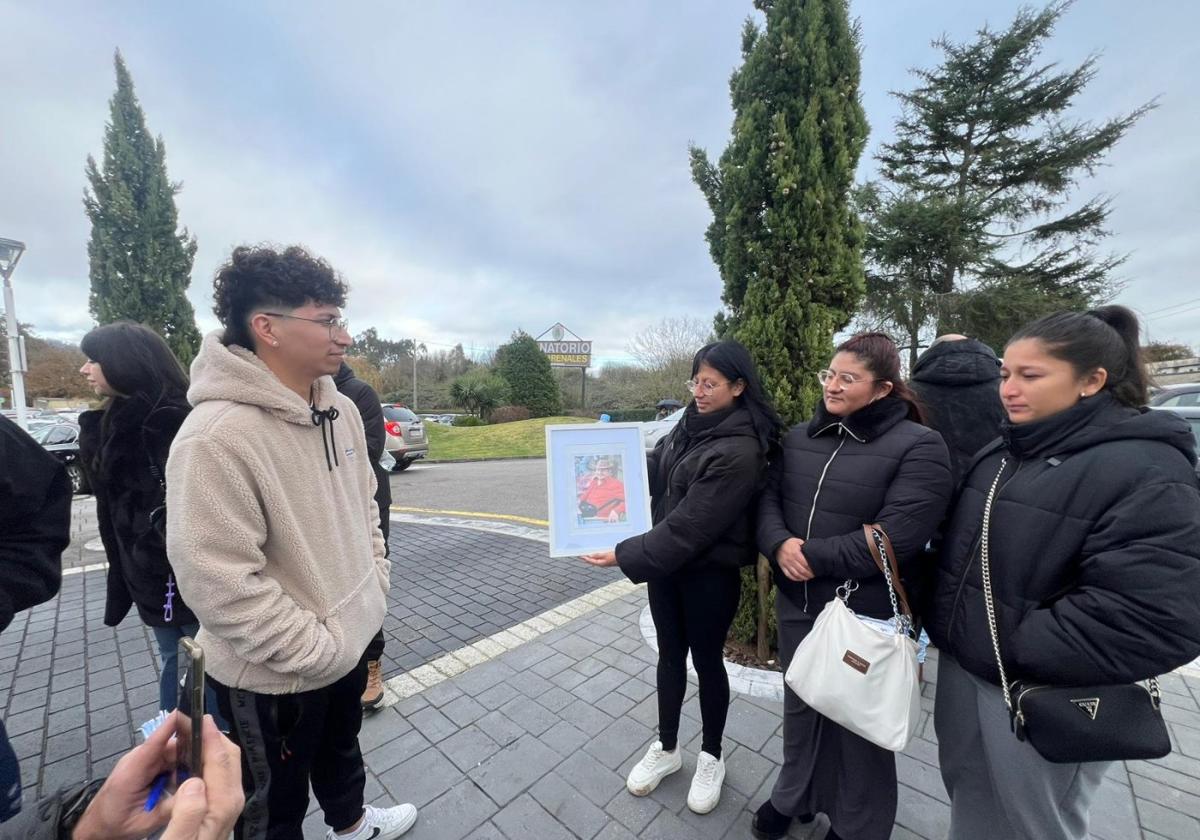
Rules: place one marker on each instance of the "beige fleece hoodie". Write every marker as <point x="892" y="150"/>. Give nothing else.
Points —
<point x="279" y="555"/>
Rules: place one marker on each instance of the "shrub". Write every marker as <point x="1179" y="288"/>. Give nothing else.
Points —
<point x="509" y="414"/>
<point x="468" y="420"/>
<point x="745" y="623"/>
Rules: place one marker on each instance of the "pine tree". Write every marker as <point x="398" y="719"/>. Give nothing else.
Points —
<point x="140" y="262"/>
<point x="523" y="365"/>
<point x="784" y="234"/>
<point x="986" y="162"/>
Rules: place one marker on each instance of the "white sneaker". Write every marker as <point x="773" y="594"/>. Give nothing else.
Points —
<point x="705" y="792"/>
<point x="655" y="766"/>
<point x="380" y="824"/>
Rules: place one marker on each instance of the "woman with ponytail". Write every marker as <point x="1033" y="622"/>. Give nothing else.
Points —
<point x="1093" y="548"/>
<point x="865" y="457"/>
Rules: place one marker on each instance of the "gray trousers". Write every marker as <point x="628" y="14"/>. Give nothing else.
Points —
<point x="1000" y="787"/>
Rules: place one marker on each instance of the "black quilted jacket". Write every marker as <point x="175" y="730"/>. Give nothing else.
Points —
<point x="1094" y="550"/>
<point x="837" y="475"/>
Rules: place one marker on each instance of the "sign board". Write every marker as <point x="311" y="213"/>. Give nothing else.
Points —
<point x="564" y="348"/>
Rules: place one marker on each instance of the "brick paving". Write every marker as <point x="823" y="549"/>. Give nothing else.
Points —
<point x="532" y="744"/>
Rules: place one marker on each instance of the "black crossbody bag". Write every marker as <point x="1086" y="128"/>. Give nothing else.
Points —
<point x="1070" y="724"/>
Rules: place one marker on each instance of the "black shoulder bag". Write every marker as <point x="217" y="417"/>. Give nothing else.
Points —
<point x="1070" y="724"/>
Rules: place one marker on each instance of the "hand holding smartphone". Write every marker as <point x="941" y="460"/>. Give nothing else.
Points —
<point x="190" y="702"/>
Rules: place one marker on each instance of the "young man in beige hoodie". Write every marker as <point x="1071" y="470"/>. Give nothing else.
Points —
<point x="273" y="532"/>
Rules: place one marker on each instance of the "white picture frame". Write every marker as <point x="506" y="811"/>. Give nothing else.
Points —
<point x="596" y="485"/>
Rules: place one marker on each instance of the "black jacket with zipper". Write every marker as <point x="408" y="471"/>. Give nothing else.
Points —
<point x="121" y="458"/>
<point x="1094" y="548"/>
<point x="838" y="474"/>
<point x="704" y="481"/>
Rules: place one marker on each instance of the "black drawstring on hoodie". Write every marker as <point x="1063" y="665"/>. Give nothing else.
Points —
<point x="325" y="419"/>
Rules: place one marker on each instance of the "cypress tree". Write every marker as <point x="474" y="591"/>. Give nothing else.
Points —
<point x="522" y="364"/>
<point x="140" y="263"/>
<point x="784" y="233"/>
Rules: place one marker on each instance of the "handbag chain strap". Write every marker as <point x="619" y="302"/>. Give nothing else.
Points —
<point x="989" y="602"/>
<point x="986" y="570"/>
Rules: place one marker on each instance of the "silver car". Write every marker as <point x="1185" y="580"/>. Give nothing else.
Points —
<point x="406" y="438"/>
<point x="655" y="430"/>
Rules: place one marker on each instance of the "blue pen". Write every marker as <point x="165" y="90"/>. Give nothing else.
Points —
<point x="156" y="790"/>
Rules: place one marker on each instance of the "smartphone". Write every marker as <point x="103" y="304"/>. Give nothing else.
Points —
<point x="190" y="702"/>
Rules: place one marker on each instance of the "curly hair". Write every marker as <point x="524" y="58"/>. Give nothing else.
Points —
<point x="262" y="276"/>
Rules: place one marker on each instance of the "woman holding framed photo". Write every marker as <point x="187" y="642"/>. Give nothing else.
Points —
<point x="704" y="478"/>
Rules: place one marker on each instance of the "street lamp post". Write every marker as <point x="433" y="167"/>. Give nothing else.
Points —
<point x="419" y="348"/>
<point x="10" y="255"/>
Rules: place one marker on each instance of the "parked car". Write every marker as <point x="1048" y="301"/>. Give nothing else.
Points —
<point x="447" y="419"/>
<point x="1172" y="396"/>
<point x="655" y="430"/>
<point x="1190" y="413"/>
<point x="406" y="438"/>
<point x="62" y="441"/>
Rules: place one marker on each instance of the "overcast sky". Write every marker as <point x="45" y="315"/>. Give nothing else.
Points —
<point x="474" y="168"/>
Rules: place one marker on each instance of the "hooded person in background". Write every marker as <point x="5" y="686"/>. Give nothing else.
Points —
<point x="273" y="531"/>
<point x="371" y="410"/>
<point x="35" y="528"/>
<point x="957" y="381"/>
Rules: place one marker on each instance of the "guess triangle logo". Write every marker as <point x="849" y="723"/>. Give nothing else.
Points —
<point x="1088" y="705"/>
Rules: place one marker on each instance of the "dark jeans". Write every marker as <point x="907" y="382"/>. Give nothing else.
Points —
<point x="288" y="740"/>
<point x="693" y="610"/>
<point x="168" y="685"/>
<point x="375" y="648"/>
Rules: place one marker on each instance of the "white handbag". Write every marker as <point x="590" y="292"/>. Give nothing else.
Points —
<point x="857" y="676"/>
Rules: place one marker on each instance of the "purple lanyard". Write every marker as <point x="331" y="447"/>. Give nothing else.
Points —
<point x="168" y="607"/>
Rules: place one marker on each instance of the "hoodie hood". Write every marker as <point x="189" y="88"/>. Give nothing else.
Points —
<point x="1095" y="420"/>
<point x="963" y="362"/>
<point x="234" y="374"/>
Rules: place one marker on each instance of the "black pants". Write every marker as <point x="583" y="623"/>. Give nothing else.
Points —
<point x="693" y="610"/>
<point x="288" y="740"/>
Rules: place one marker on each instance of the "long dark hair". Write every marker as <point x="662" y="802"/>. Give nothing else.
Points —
<point x="1107" y="338"/>
<point x="879" y="355"/>
<point x="733" y="361"/>
<point x="136" y="363"/>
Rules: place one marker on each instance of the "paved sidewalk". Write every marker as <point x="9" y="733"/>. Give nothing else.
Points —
<point x="527" y="732"/>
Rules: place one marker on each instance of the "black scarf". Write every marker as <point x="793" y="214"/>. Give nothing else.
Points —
<point x="1053" y="434"/>
<point x="868" y="423"/>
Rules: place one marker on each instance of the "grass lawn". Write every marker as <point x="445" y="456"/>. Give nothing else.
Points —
<point x="525" y="438"/>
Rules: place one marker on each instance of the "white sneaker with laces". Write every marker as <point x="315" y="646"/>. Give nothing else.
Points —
<point x="705" y="792"/>
<point x="655" y="766"/>
<point x="380" y="824"/>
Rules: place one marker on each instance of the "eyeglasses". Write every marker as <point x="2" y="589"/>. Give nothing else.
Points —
<point x="707" y="387"/>
<point x="846" y="380"/>
<point x="332" y="324"/>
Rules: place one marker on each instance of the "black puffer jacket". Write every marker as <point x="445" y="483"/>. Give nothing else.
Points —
<point x="1094" y="549"/>
<point x="35" y="521"/>
<point x="838" y="474"/>
<point x="118" y="458"/>
<point x="704" y="479"/>
<point x="958" y="383"/>
<point x="371" y="411"/>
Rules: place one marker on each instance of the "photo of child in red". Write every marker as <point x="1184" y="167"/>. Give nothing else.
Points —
<point x="602" y="493"/>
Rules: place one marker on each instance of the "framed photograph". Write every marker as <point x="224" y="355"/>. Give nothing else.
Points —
<point x="597" y="486"/>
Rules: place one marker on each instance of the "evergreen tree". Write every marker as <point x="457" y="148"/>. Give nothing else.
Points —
<point x="140" y="262"/>
<point x="784" y="234"/>
<point x="522" y="364"/>
<point x="986" y="162"/>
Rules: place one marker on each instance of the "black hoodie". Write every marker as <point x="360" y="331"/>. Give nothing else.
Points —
<point x="704" y="482"/>
<point x="1094" y="550"/>
<point x="371" y="411"/>
<point x="958" y="383"/>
